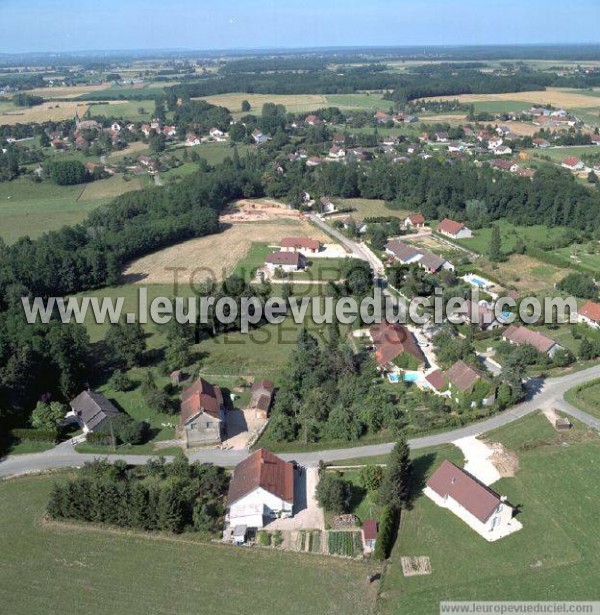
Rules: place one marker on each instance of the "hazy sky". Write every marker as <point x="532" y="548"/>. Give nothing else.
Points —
<point x="69" y="25"/>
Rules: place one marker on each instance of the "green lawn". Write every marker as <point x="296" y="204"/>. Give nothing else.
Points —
<point x="587" y="255"/>
<point x="253" y="260"/>
<point x="32" y="208"/>
<point x="370" y="208"/>
<point x="554" y="556"/>
<point x="54" y="569"/>
<point x="558" y="154"/>
<point x="509" y="233"/>
<point x="28" y="208"/>
<point x="586" y="397"/>
<point x="126" y="110"/>
<point x="215" y="153"/>
<point x="321" y="270"/>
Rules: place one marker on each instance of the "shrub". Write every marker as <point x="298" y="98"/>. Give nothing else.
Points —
<point x="121" y="382"/>
<point x="333" y="492"/>
<point x="277" y="538"/>
<point x="263" y="539"/>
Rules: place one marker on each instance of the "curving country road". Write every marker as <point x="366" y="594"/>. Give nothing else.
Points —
<point x="542" y="394"/>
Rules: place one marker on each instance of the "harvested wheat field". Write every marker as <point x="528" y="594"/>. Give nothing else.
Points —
<point x="551" y="96"/>
<point x="49" y="111"/>
<point x="217" y="255"/>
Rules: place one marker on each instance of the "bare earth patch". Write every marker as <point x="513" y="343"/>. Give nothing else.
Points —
<point x="217" y="255"/>
<point x="506" y="462"/>
<point x="415" y="566"/>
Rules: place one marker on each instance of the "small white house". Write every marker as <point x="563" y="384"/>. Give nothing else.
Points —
<point x="286" y="261"/>
<point x="261" y="489"/>
<point x="481" y="508"/>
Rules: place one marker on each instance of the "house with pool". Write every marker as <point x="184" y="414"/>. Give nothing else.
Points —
<point x="396" y="348"/>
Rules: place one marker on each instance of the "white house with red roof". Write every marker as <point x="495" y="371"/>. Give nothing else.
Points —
<point x="454" y="230"/>
<point x="285" y="261"/>
<point x="481" y="508"/>
<point x="589" y="314"/>
<point x="572" y="163"/>
<point x="414" y="221"/>
<point x="519" y="335"/>
<point x="192" y="139"/>
<point x="261" y="490"/>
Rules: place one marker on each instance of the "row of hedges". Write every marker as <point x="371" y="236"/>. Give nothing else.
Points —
<point x="50" y="436"/>
<point x="387" y="530"/>
<point x="557" y="260"/>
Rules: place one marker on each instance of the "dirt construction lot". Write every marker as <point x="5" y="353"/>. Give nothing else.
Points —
<point x="218" y="254"/>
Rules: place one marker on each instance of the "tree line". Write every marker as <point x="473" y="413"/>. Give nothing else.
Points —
<point x="172" y="497"/>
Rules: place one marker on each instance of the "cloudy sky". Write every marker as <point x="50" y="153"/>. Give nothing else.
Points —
<point x="71" y="25"/>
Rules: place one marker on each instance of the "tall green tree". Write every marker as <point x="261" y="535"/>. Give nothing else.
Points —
<point x="394" y="490"/>
<point x="495" y="249"/>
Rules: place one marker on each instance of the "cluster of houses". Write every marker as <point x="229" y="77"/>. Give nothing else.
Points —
<point x="407" y="254"/>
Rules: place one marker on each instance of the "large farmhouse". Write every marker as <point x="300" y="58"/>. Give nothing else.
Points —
<point x="261" y="489"/>
<point x="202" y="416"/>
<point x="481" y="508"/>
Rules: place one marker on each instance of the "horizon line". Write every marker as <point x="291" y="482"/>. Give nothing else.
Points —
<point x="318" y="48"/>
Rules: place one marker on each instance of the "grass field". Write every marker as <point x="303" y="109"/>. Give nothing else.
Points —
<point x="509" y="234"/>
<point x="127" y="110"/>
<point x="301" y="103"/>
<point x="370" y="208"/>
<point x="586" y="397"/>
<point x="558" y="154"/>
<point x="28" y="208"/>
<point x="524" y="273"/>
<point x="554" y="556"/>
<point x="53" y="569"/>
<point x="587" y="255"/>
<point x="214" y="153"/>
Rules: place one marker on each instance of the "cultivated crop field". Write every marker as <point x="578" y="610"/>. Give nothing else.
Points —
<point x="554" y="556"/>
<point x="56" y="568"/>
<point x="217" y="254"/>
<point x="551" y="96"/>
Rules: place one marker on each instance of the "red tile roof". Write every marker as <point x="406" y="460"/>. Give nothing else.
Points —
<point x="522" y="335"/>
<point x="591" y="310"/>
<point x="416" y="219"/>
<point x="286" y="258"/>
<point x="370" y="529"/>
<point x="437" y="381"/>
<point x="392" y="340"/>
<point x="571" y="161"/>
<point x="300" y="242"/>
<point x="265" y="470"/>
<point x="450" y="226"/>
<point x="451" y="481"/>
<point x="462" y="376"/>
<point x="201" y="397"/>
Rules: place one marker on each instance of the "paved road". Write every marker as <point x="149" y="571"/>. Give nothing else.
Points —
<point x="358" y="250"/>
<point x="547" y="394"/>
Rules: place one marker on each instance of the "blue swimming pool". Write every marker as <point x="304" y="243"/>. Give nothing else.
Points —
<point x="395" y="378"/>
<point x="478" y="282"/>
